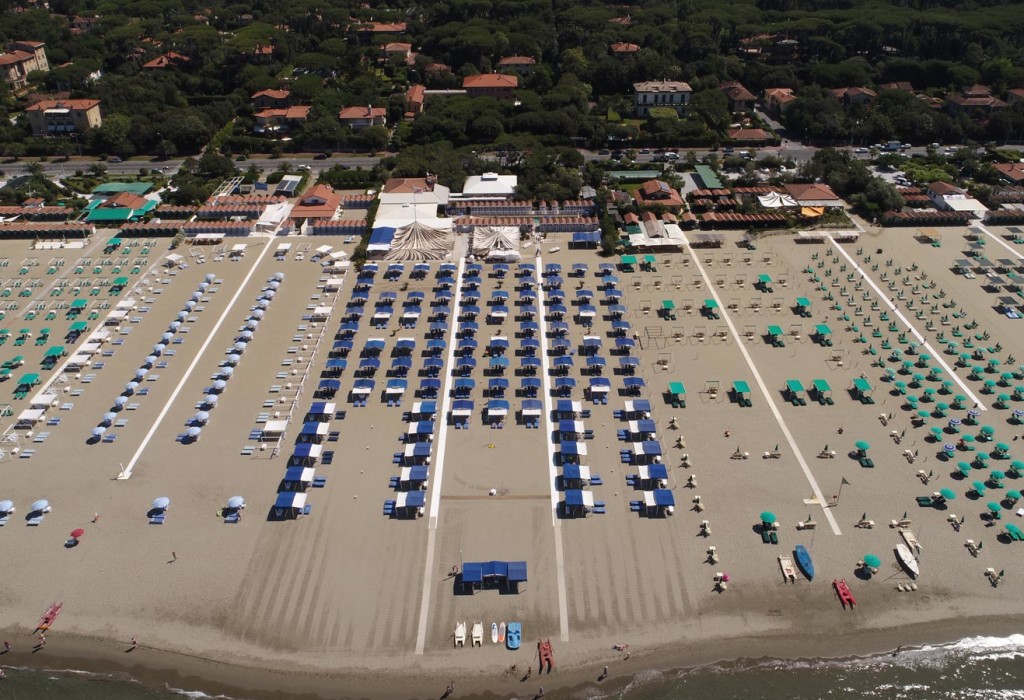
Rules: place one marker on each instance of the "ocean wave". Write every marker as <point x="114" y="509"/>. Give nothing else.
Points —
<point x="196" y="694"/>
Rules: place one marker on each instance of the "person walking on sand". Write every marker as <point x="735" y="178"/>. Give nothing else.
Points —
<point x="135" y="643"/>
<point x="96" y="517"/>
<point x="42" y="641"/>
<point x="627" y="656"/>
<point x="7" y="647"/>
<point x="174" y="556"/>
<point x="604" y="674"/>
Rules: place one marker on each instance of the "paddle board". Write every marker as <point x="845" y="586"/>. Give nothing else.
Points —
<point x="494" y="633"/>
<point x="501" y="633"/>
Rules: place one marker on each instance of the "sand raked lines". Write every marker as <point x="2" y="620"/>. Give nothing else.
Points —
<point x="936" y="356"/>
<point x="818" y="495"/>
<point x="126" y="472"/>
<point x="434" y="516"/>
<point x="563" y="596"/>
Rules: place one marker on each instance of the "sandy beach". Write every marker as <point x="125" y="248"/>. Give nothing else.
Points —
<point x="346" y="602"/>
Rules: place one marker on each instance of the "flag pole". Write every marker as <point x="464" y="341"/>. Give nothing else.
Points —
<point x="843" y="482"/>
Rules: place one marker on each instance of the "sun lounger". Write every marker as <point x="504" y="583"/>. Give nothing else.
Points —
<point x="765" y="537"/>
<point x="34" y="522"/>
<point x="389" y="508"/>
<point x="460" y="634"/>
<point x="157" y="519"/>
<point x="774" y="537"/>
<point x="478" y="634"/>
<point x="232" y="518"/>
<point x="319" y="482"/>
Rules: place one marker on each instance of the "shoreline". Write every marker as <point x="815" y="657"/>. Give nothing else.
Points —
<point x="161" y="668"/>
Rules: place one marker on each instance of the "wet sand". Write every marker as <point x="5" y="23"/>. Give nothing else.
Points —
<point x="344" y="596"/>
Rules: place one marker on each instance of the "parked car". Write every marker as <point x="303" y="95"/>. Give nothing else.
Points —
<point x="321" y="156"/>
<point x="861" y="149"/>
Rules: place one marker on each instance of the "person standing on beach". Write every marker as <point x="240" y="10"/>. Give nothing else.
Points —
<point x="135" y="643"/>
<point x="42" y="641"/>
<point x="604" y="674"/>
<point x="7" y="647"/>
<point x="174" y="556"/>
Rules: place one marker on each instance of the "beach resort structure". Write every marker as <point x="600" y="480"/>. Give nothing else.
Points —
<point x="727" y="433"/>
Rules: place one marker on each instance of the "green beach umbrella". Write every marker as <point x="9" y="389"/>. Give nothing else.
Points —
<point x="1002" y="447"/>
<point x="994" y="507"/>
<point x="968" y="438"/>
<point x="872" y="561"/>
<point x="982" y="456"/>
<point x="988" y="430"/>
<point x="924" y="414"/>
<point x="936" y="432"/>
<point x="964" y="468"/>
<point x="768" y="517"/>
<point x="1013" y="529"/>
<point x="862" y="445"/>
<point x="1013" y="495"/>
<point x="941" y="406"/>
<point x="979" y="488"/>
<point x="948" y="494"/>
<point x="996" y="475"/>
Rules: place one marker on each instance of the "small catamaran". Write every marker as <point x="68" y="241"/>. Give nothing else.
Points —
<point x="46" y="621"/>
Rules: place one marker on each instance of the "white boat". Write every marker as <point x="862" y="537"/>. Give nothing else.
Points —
<point x="908" y="560"/>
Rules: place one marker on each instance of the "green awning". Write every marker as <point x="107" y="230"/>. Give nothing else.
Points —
<point x="79" y="304"/>
<point x="628" y="260"/>
<point x="78" y="327"/>
<point x="114" y="243"/>
<point x="710" y="304"/>
<point x="821" y="386"/>
<point x="120" y="281"/>
<point x="774" y="330"/>
<point x="823" y="329"/>
<point x="795" y="386"/>
<point x="768" y="517"/>
<point x="676" y="388"/>
<point x="56" y="351"/>
<point x="650" y="259"/>
<point x="862" y="385"/>
<point x="29" y="380"/>
<point x="803" y="302"/>
<point x="765" y="279"/>
<point x="668" y="305"/>
<point x="741" y="387"/>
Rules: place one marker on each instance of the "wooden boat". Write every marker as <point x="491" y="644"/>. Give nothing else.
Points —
<point x="803" y="560"/>
<point x="46" y="621"/>
<point x="547" y="655"/>
<point x="515" y="635"/>
<point x="788" y="571"/>
<point x="908" y="560"/>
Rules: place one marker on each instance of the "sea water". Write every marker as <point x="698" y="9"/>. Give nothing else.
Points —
<point x="978" y="668"/>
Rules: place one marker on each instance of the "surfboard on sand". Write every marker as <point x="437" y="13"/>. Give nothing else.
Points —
<point x="494" y="633"/>
<point x="501" y="633"/>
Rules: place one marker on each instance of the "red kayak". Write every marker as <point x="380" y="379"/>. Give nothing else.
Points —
<point x="46" y="621"/>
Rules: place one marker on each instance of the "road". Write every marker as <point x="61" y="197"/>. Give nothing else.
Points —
<point x="60" y="169"/>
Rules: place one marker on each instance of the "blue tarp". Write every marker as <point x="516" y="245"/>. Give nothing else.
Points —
<point x="382" y="235"/>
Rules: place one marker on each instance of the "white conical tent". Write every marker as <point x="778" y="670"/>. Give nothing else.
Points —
<point x="418" y="241"/>
<point x="495" y="240"/>
<point x="774" y="200"/>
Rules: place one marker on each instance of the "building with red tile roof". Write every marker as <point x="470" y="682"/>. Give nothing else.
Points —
<point x="490" y="85"/>
<point x="623" y="48"/>
<point x="171" y="59"/>
<point x="740" y="98"/>
<point x="271" y="99"/>
<point x="48" y="117"/>
<point x="318" y="202"/>
<point x="658" y="192"/>
<point x="362" y="117"/>
<point x="20" y="59"/>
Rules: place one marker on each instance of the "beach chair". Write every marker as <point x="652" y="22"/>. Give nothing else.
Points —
<point x="635" y="506"/>
<point x="319" y="482"/>
<point x="232" y="518"/>
<point x="596" y="480"/>
<point x="773" y="537"/>
<point x="157" y="519"/>
<point x="389" y="508"/>
<point x="478" y="634"/>
<point x="307" y="509"/>
<point x="460" y="634"/>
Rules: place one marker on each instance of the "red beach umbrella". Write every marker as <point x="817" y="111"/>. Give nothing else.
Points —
<point x="77" y="533"/>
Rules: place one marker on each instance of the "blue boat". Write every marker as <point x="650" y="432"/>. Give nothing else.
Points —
<point x="803" y="560"/>
<point x="514" y="635"/>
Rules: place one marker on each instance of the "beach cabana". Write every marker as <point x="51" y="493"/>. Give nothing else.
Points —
<point x="741" y="391"/>
<point x="531" y="411"/>
<point x="862" y="390"/>
<point x="677" y="394"/>
<point x="637" y="408"/>
<point x="566" y="409"/>
<point x="291" y="504"/>
<point x="462" y="412"/>
<point x="659" y="503"/>
<point x="578" y="502"/>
